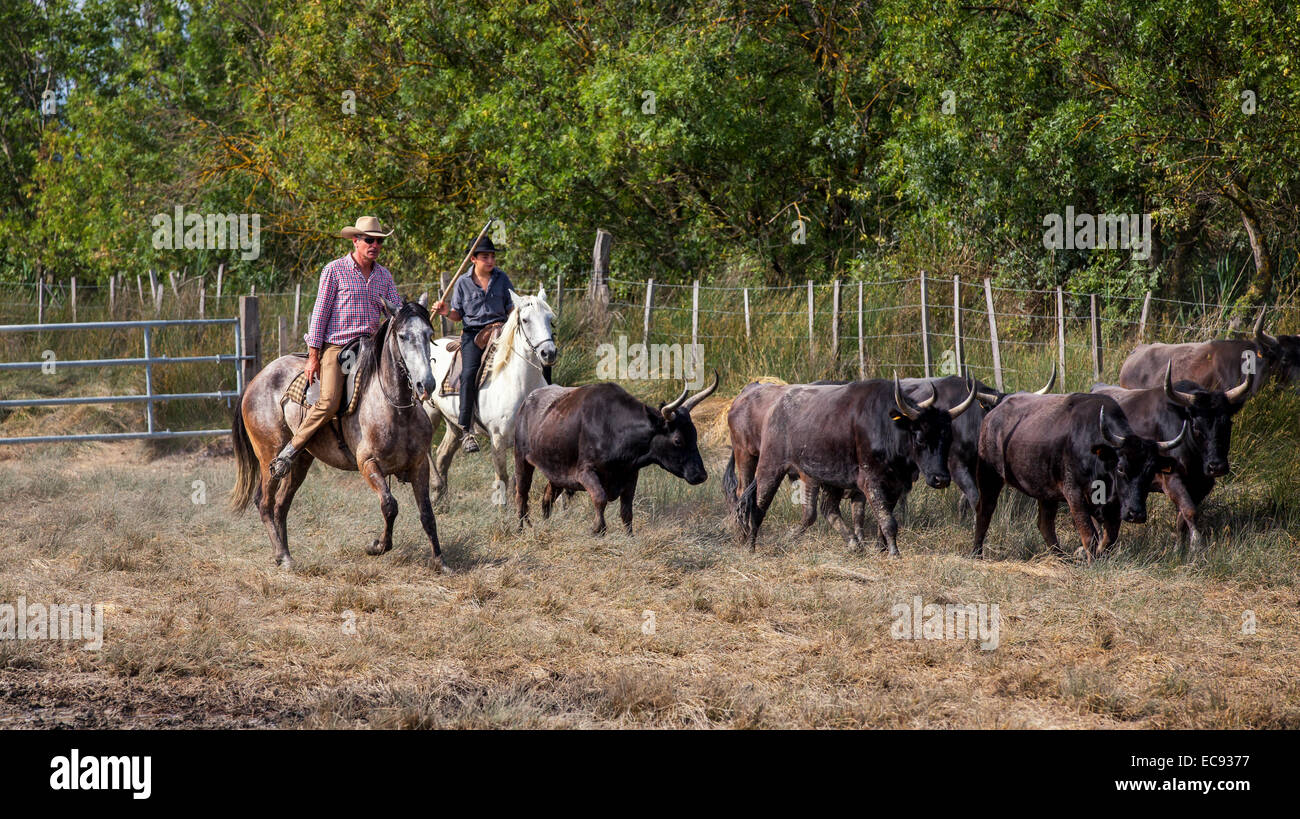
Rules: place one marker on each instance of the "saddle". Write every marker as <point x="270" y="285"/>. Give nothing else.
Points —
<point x="301" y="393"/>
<point x="486" y="340"/>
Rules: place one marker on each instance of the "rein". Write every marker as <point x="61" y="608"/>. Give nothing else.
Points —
<point x="400" y="365"/>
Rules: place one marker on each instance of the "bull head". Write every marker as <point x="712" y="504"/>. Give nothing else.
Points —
<point x="1236" y="395"/>
<point x="682" y="404"/>
<point x="912" y="409"/>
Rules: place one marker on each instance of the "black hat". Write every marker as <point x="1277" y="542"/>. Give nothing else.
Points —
<point x="484" y="245"/>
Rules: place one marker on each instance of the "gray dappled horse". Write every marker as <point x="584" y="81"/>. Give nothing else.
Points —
<point x="387" y="434"/>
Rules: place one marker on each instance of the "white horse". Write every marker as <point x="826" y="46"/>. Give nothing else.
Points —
<point x="526" y="344"/>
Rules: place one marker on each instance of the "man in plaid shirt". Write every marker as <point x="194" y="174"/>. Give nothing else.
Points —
<point x="347" y="306"/>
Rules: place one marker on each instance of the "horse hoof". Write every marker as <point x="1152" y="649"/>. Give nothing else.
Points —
<point x="439" y="567"/>
<point x="376" y="547"/>
<point x="286" y="563"/>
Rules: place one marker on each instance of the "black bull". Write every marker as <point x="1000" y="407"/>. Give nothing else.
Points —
<point x="1159" y="413"/>
<point x="864" y="436"/>
<point x="597" y="438"/>
<point x="1076" y="448"/>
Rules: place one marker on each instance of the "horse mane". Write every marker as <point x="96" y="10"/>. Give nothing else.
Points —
<point x="505" y="343"/>
<point x="370" y="363"/>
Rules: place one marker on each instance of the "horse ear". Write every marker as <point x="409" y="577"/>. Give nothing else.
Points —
<point x="391" y="307"/>
<point x="514" y="298"/>
<point x="541" y="293"/>
<point x="424" y="299"/>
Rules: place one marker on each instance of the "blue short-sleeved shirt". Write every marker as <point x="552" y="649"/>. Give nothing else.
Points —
<point x="479" y="307"/>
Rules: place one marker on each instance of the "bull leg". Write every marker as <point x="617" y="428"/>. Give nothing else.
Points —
<point x="961" y="475"/>
<point x="986" y="500"/>
<point x="766" y="484"/>
<point x="548" y="500"/>
<point x="523" y="483"/>
<point x="387" y="505"/>
<point x="745" y="466"/>
<point x="882" y="503"/>
<point x="599" y="497"/>
<point x="1110" y="527"/>
<point x="859" y="506"/>
<point x="831" y="511"/>
<point x="1047" y="525"/>
<point x="1082" y="523"/>
<point x="1185" y="520"/>
<point x="419" y="475"/>
<point x="625" y="503"/>
<point x="808" y="515"/>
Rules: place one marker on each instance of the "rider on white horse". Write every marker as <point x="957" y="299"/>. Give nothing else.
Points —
<point x="478" y="300"/>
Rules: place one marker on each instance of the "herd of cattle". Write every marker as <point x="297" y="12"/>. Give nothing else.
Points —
<point x="1167" y="427"/>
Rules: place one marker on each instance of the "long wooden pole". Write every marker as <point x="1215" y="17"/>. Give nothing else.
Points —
<point x="993" y="334"/>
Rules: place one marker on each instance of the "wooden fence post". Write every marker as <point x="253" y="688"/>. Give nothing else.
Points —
<point x="112" y="295"/>
<point x="925" y="323"/>
<point x="40" y="300"/>
<point x="297" y="298"/>
<point x="1096" y="338"/>
<point x="835" y="322"/>
<point x="746" y="295"/>
<point x="598" y="292"/>
<point x="158" y="297"/>
<point x="1142" y="322"/>
<point x="649" y="301"/>
<point x="993" y="334"/>
<point x="956" y="323"/>
<point x="810" y="321"/>
<point x="862" y="348"/>
<point x="171" y="278"/>
<point x="250" y="337"/>
<point x="203" y="293"/>
<point x="559" y="291"/>
<point x="221" y="269"/>
<point x="1060" y="332"/>
<point x="73" y="287"/>
<point x="282" y="333"/>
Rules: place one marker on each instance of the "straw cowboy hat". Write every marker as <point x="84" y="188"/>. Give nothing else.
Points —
<point x="365" y="226"/>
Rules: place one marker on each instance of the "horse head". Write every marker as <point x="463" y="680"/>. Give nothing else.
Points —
<point x="410" y="330"/>
<point x="533" y="329"/>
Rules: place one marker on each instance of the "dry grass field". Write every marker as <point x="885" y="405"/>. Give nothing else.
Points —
<point x="545" y="628"/>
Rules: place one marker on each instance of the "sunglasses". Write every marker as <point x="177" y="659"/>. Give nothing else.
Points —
<point x="371" y="240"/>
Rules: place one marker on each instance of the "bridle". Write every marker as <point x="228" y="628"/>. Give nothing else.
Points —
<point x="519" y="328"/>
<point x="402" y="370"/>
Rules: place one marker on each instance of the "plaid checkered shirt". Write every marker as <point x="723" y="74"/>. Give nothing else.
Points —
<point x="347" y="303"/>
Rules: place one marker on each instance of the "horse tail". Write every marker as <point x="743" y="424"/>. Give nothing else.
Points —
<point x="747" y="508"/>
<point x="248" y="478"/>
<point x="729" y="482"/>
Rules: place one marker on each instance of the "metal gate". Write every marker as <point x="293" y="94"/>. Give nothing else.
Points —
<point x="148" y="361"/>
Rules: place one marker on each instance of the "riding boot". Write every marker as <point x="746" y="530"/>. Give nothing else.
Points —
<point x="283" y="462"/>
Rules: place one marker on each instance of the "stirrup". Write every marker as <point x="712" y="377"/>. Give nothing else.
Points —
<point x="282" y="463"/>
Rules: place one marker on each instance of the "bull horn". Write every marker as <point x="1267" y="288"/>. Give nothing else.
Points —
<point x="964" y="405"/>
<point x="668" y="409"/>
<point x="928" y="402"/>
<point x="1112" y="439"/>
<point x="1259" y="330"/>
<point x="1165" y="446"/>
<point x="1182" y="399"/>
<point x="695" y="399"/>
<point x="987" y="397"/>
<point x="904" y="403"/>
<point x="1050" y="382"/>
<point x="1238" y="393"/>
